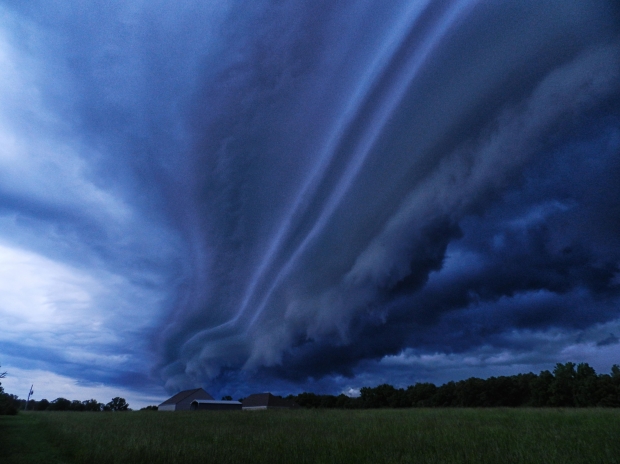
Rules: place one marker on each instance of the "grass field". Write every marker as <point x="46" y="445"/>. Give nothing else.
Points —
<point x="309" y="436"/>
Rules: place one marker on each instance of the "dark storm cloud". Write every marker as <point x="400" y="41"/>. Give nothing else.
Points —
<point x="274" y="192"/>
<point x="611" y="340"/>
<point x="346" y="168"/>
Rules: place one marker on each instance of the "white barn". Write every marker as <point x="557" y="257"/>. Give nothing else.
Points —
<point x="214" y="405"/>
<point x="182" y="401"/>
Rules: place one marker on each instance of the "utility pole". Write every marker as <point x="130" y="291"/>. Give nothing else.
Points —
<point x="29" y="395"/>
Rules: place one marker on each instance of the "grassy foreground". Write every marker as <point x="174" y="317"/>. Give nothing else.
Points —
<point x="309" y="436"/>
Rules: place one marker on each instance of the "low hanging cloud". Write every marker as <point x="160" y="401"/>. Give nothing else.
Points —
<point x="349" y="256"/>
<point x="309" y="194"/>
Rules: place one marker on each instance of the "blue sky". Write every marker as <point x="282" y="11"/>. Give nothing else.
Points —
<point x="286" y="196"/>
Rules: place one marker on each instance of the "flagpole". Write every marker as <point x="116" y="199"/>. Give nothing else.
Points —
<point x="29" y="394"/>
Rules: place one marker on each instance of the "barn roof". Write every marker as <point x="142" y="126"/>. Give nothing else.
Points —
<point x="268" y="400"/>
<point x="182" y="395"/>
<point x="215" y="402"/>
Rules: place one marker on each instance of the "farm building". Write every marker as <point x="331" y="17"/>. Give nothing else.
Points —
<point x="267" y="401"/>
<point x="182" y="401"/>
<point x="214" y="405"/>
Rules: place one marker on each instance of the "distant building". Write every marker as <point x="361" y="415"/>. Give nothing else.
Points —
<point x="214" y="405"/>
<point x="267" y="401"/>
<point x="182" y="401"/>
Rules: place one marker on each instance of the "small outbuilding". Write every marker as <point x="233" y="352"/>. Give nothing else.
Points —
<point x="182" y="401"/>
<point x="267" y="401"/>
<point x="214" y="405"/>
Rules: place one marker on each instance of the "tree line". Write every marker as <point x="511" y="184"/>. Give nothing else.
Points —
<point x="569" y="385"/>
<point x="63" y="404"/>
<point x="11" y="404"/>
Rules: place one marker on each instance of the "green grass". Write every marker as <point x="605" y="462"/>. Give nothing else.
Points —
<point x="23" y="440"/>
<point x="324" y="436"/>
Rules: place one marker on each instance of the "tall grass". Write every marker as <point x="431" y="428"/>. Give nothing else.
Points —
<point x="337" y="436"/>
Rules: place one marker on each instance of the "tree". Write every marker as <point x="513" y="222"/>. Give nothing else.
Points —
<point x="471" y="393"/>
<point x="60" y="404"/>
<point x="227" y="398"/>
<point x="149" y="408"/>
<point x="117" y="404"/>
<point x="308" y="400"/>
<point x="76" y="405"/>
<point x="541" y="389"/>
<point x="586" y="386"/>
<point x="446" y="395"/>
<point x="2" y="375"/>
<point x="42" y="405"/>
<point x="383" y="396"/>
<point x="608" y="390"/>
<point x="92" y="405"/>
<point x="7" y="402"/>
<point x="563" y="385"/>
<point x="420" y="394"/>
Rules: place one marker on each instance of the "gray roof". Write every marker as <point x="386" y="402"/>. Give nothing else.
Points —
<point x="183" y="395"/>
<point x="215" y="402"/>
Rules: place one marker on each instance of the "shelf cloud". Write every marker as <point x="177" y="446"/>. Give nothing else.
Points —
<point x="308" y="195"/>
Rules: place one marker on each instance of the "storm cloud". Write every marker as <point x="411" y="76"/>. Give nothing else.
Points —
<point x="308" y="194"/>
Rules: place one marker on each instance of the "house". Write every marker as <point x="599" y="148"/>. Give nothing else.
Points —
<point x="182" y="401"/>
<point x="214" y="405"/>
<point x="267" y="401"/>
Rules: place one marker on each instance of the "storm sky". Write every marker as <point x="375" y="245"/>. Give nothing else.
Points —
<point x="259" y="195"/>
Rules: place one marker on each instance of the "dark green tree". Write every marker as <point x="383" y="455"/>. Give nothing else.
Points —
<point x="7" y="402"/>
<point x="76" y="405"/>
<point x="60" y="404"/>
<point x="2" y="375"/>
<point x="608" y="390"/>
<point x="92" y="405"/>
<point x="42" y="405"/>
<point x="471" y="393"/>
<point x="383" y="396"/>
<point x="446" y="395"/>
<point x="586" y="386"/>
<point x="117" y="404"/>
<point x="149" y="408"/>
<point x="308" y="400"/>
<point x="343" y="401"/>
<point x="563" y="385"/>
<point x="541" y="389"/>
<point x="421" y="394"/>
